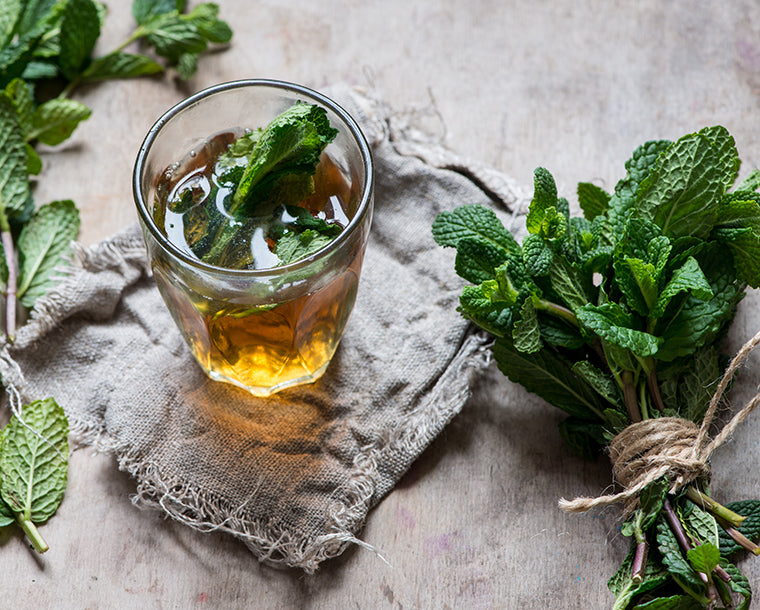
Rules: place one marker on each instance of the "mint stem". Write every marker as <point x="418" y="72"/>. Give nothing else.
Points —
<point x="639" y="562"/>
<point x="717" y="510"/>
<point x="629" y="395"/>
<point x="557" y="310"/>
<point x="10" y="289"/>
<point x="654" y="390"/>
<point x="33" y="534"/>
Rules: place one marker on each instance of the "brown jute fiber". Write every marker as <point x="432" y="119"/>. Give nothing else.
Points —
<point x="647" y="450"/>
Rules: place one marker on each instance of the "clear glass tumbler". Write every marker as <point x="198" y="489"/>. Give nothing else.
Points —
<point x="264" y="329"/>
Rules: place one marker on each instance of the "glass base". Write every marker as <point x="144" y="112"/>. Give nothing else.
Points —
<point x="263" y="391"/>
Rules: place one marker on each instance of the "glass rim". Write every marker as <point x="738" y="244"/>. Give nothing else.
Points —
<point x="353" y="127"/>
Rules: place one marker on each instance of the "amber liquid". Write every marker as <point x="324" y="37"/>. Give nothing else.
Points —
<point x="265" y="348"/>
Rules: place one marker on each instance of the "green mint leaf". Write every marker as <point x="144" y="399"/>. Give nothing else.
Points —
<point x="751" y="182"/>
<point x="700" y="524"/>
<point x="292" y="246"/>
<point x="636" y="280"/>
<point x="728" y="156"/>
<point x="704" y="558"/>
<point x="750" y="527"/>
<point x="688" y="278"/>
<point x="672" y="602"/>
<point x="120" y="65"/>
<point x="187" y="65"/>
<point x="56" y="120"/>
<point x="637" y="168"/>
<point x="613" y="325"/>
<point x="698" y="384"/>
<point x="43" y="243"/>
<point x="569" y="284"/>
<point x="739" y="584"/>
<point x="473" y="221"/>
<point x="537" y="255"/>
<point x="205" y="17"/>
<point x="33" y="160"/>
<point x="145" y="10"/>
<point x="14" y="184"/>
<point x="673" y="559"/>
<point x="304" y="219"/>
<point x="544" y="199"/>
<point x="33" y="12"/>
<point x="493" y="316"/>
<point x="548" y="375"/>
<point x="292" y="143"/>
<point x="683" y="191"/>
<point x="525" y="334"/>
<point x="173" y="37"/>
<point x="699" y="322"/>
<point x="34" y="461"/>
<point x="745" y="248"/>
<point x="10" y="12"/>
<point x="39" y="70"/>
<point x="600" y="381"/>
<point x="594" y="200"/>
<point x="22" y="97"/>
<point x="80" y="29"/>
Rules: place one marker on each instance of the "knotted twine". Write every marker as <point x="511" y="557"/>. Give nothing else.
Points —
<point x="667" y="446"/>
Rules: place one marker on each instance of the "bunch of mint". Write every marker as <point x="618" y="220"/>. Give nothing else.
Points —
<point x="616" y="317"/>
<point x="46" y="52"/>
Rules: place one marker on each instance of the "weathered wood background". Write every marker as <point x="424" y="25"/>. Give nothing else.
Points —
<point x="573" y="85"/>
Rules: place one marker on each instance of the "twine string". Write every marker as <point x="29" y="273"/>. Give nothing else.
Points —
<point x="647" y="450"/>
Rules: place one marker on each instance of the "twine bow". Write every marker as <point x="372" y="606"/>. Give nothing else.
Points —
<point x="647" y="450"/>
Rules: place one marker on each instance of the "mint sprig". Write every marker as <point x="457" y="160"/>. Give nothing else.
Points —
<point x="617" y="317"/>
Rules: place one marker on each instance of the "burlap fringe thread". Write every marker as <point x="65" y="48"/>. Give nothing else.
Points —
<point x="672" y="446"/>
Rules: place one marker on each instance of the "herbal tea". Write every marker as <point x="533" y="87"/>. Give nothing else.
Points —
<point x="287" y="213"/>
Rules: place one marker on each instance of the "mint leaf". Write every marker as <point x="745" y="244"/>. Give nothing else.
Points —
<point x="704" y="558"/>
<point x="172" y="37"/>
<point x="34" y="462"/>
<point x="620" y="583"/>
<point x="120" y="65"/>
<point x="80" y="29"/>
<point x="537" y="255"/>
<point x="739" y="584"/>
<point x="144" y="10"/>
<point x="55" y="120"/>
<point x="10" y="11"/>
<point x="14" y="184"/>
<point x="750" y="527"/>
<point x="526" y="335"/>
<point x="21" y="95"/>
<point x="291" y="144"/>
<point x="292" y="246"/>
<point x="612" y="324"/>
<point x="492" y="316"/>
<point x="600" y="381"/>
<point x="582" y="437"/>
<point x="688" y="278"/>
<point x="33" y="12"/>
<point x="728" y="157"/>
<point x="683" y="191"/>
<point x="673" y="602"/>
<point x="477" y="260"/>
<point x="569" y="284"/>
<point x="205" y="18"/>
<point x="751" y="182"/>
<point x="544" y="199"/>
<point x="673" y="559"/>
<point x="473" y="221"/>
<point x="594" y="200"/>
<point x="549" y="376"/>
<point x="43" y="243"/>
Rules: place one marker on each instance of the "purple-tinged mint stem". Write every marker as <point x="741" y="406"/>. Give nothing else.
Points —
<point x="717" y="510"/>
<point x="639" y="562"/>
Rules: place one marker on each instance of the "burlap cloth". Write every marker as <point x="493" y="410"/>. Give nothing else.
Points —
<point x="292" y="476"/>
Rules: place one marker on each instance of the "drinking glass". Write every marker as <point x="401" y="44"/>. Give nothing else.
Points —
<point x="262" y="329"/>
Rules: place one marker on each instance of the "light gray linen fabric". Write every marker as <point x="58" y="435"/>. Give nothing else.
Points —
<point x="293" y="476"/>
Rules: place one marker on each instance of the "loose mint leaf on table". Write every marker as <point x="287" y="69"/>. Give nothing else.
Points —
<point x="43" y="243"/>
<point x="120" y="65"/>
<point x="144" y="10"/>
<point x="34" y="464"/>
<point x="55" y="120"/>
<point x="14" y="185"/>
<point x="80" y="29"/>
<point x="21" y="94"/>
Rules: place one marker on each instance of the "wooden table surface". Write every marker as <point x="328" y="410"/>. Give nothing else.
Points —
<point x="573" y="85"/>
